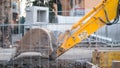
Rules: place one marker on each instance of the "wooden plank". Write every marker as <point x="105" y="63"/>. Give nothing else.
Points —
<point x="90" y="65"/>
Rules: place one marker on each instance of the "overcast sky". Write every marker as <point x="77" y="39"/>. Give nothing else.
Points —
<point x="22" y="8"/>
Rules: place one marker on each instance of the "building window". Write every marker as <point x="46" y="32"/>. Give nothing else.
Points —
<point x="14" y="5"/>
<point x="41" y="16"/>
<point x="15" y="16"/>
<point x="77" y="7"/>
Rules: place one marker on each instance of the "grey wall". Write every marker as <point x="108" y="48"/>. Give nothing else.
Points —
<point x="112" y="31"/>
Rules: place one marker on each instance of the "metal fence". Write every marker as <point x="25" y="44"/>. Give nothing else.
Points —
<point x="102" y="36"/>
<point x="107" y="34"/>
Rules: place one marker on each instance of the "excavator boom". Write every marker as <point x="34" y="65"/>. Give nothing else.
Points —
<point x="104" y="13"/>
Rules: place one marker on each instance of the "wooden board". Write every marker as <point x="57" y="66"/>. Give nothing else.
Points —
<point x="104" y="58"/>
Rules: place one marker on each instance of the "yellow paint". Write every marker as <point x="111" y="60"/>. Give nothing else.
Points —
<point x="89" y="24"/>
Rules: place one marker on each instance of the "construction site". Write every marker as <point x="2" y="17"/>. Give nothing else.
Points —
<point x="59" y="34"/>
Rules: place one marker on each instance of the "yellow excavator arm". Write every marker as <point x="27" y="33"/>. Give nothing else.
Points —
<point x="104" y="13"/>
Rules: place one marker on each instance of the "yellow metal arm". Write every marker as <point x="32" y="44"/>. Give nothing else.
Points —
<point x="99" y="16"/>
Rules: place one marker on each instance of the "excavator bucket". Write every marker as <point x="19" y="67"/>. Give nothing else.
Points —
<point x="37" y="41"/>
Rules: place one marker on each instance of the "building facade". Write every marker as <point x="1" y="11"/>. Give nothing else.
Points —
<point x="9" y="10"/>
<point x="9" y="15"/>
<point x="77" y="7"/>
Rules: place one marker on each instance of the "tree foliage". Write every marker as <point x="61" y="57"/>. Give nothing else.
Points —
<point x="38" y="3"/>
<point x="41" y="3"/>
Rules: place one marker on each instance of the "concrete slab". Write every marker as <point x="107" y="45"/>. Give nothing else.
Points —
<point x="6" y="54"/>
